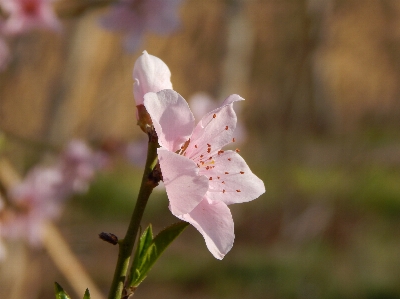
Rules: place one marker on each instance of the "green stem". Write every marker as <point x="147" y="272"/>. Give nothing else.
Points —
<point x="126" y="245"/>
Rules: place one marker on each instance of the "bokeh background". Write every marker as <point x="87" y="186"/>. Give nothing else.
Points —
<point x="322" y="116"/>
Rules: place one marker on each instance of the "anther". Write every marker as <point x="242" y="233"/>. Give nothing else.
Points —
<point x="223" y="190"/>
<point x="209" y="150"/>
<point x="238" y="191"/>
<point x="220" y="152"/>
<point x="209" y="145"/>
<point x="218" y="177"/>
<point x="214" y="116"/>
<point x="237" y="150"/>
<point x="226" y="128"/>
<point x="210" y="158"/>
<point x="201" y="156"/>
<point x="210" y="179"/>
<point x="233" y="140"/>
<point x="229" y="159"/>
<point x="226" y="172"/>
<point x="196" y="144"/>
<point x="242" y="172"/>
<point x="223" y="182"/>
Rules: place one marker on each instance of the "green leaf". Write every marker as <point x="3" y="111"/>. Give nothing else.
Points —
<point x="144" y="243"/>
<point x="60" y="293"/>
<point x="87" y="294"/>
<point x="150" y="255"/>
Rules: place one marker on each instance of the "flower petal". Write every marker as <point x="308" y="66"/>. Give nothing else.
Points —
<point x="214" y="130"/>
<point x="232" y="181"/>
<point x="151" y="74"/>
<point x="185" y="187"/>
<point x="213" y="220"/>
<point x="171" y="118"/>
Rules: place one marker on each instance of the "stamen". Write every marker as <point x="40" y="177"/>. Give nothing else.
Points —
<point x="242" y="172"/>
<point x="238" y="191"/>
<point x="223" y="182"/>
<point x="201" y="156"/>
<point x="233" y="140"/>
<point x="220" y="152"/>
<point x="229" y="159"/>
<point x="210" y="179"/>
<point x="223" y="190"/>
<point x="210" y="158"/>
<point x="237" y="150"/>
<point x="214" y="116"/>
<point x="226" y="128"/>
<point x="196" y="145"/>
<point x="209" y="150"/>
<point x="209" y="145"/>
<point x="226" y="172"/>
<point x="218" y="177"/>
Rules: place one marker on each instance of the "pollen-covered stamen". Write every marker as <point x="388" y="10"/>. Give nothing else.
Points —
<point x="237" y="150"/>
<point x="183" y="148"/>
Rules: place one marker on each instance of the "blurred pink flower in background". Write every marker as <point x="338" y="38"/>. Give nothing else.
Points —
<point x="135" y="17"/>
<point x="42" y="193"/>
<point x="201" y="180"/>
<point x="25" y="15"/>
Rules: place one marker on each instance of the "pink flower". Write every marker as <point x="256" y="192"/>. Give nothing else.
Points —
<point x="201" y="103"/>
<point x="201" y="180"/>
<point x="25" y="15"/>
<point x="40" y="196"/>
<point x="135" y="17"/>
<point x="150" y="74"/>
<point x="37" y="199"/>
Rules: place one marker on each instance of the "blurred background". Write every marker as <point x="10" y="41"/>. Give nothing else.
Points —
<point x="321" y="119"/>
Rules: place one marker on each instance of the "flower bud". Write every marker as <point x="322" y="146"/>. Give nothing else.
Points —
<point x="151" y="74"/>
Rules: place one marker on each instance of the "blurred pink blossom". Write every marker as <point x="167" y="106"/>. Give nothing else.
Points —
<point x="201" y="180"/>
<point x="135" y="17"/>
<point x="41" y="195"/>
<point x="25" y="15"/>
